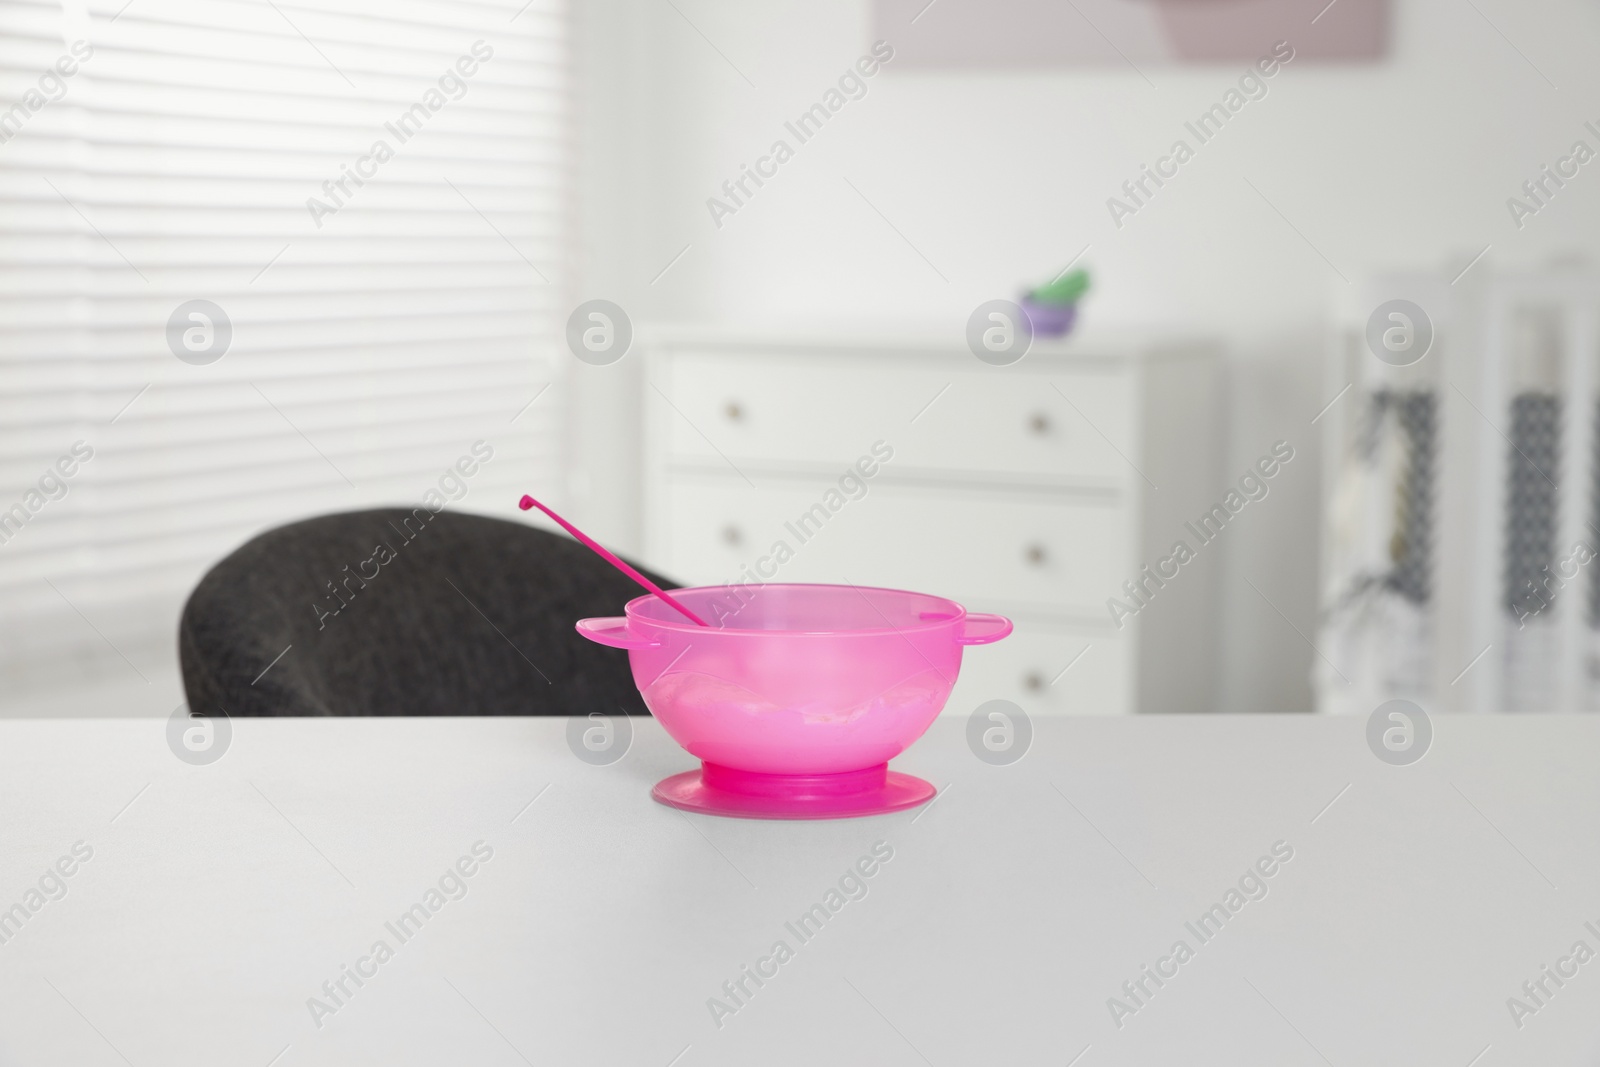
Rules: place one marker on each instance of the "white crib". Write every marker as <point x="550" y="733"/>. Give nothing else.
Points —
<point x="1460" y="531"/>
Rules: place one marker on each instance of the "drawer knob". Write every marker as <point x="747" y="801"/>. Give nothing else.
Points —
<point x="1033" y="682"/>
<point x="732" y="535"/>
<point x="1039" y="423"/>
<point x="1036" y="555"/>
<point x="734" y="411"/>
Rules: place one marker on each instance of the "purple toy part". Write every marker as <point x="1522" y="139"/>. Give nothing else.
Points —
<point x="1049" y="320"/>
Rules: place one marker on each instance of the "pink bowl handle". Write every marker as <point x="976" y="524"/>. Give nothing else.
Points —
<point x="614" y="631"/>
<point x="980" y="629"/>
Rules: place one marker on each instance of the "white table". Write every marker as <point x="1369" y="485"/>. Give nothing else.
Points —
<point x="222" y="897"/>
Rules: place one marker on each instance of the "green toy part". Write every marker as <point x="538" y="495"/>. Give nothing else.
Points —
<point x="1064" y="290"/>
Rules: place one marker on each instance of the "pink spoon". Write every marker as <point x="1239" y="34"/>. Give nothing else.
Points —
<point x="594" y="546"/>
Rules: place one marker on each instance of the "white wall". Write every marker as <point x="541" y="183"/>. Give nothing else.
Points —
<point x="998" y="179"/>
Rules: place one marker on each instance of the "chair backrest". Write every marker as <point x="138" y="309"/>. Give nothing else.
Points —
<point x="405" y="612"/>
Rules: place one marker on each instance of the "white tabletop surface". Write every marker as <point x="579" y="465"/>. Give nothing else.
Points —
<point x="218" y="899"/>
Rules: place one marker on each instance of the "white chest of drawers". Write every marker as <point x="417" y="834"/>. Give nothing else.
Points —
<point x="1030" y="490"/>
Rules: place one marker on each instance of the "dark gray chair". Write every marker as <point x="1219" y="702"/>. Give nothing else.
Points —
<point x="405" y="612"/>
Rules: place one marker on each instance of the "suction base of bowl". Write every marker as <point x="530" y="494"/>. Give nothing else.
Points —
<point x="717" y="790"/>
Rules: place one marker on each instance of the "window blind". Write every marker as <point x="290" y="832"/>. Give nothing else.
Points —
<point x="366" y="197"/>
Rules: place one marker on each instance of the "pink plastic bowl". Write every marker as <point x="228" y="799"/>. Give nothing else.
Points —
<point x="796" y="680"/>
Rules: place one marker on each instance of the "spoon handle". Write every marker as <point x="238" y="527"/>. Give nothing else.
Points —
<point x="594" y="546"/>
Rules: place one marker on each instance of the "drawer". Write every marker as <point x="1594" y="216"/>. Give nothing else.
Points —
<point x="1098" y="678"/>
<point x="978" y="547"/>
<point x="827" y="409"/>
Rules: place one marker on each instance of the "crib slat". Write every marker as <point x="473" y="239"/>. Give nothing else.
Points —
<point x="1579" y="352"/>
